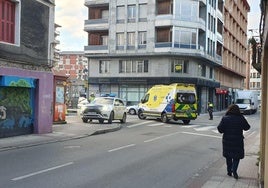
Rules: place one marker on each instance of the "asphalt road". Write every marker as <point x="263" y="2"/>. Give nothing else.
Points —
<point x="144" y="153"/>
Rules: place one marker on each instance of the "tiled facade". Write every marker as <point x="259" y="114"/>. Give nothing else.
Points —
<point x="73" y="65"/>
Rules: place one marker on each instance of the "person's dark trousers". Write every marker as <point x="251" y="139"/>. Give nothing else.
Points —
<point x="232" y="165"/>
<point x="210" y="115"/>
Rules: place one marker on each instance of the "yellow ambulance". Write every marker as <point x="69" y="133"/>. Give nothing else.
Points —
<point x="177" y="101"/>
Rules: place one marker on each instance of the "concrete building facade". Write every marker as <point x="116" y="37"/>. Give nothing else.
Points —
<point x="135" y="44"/>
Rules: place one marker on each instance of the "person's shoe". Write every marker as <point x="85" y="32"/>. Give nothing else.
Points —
<point x="235" y="175"/>
<point x="229" y="173"/>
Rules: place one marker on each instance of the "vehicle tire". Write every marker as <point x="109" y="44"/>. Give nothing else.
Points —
<point x="186" y="121"/>
<point x="164" y="118"/>
<point x="132" y="111"/>
<point x="140" y="115"/>
<point x="124" y="119"/>
<point x="101" y="120"/>
<point x="110" y="120"/>
<point x="85" y="120"/>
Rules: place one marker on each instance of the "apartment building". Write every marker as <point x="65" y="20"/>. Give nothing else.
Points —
<point x="26" y="58"/>
<point x="233" y="71"/>
<point x="73" y="65"/>
<point x="135" y="44"/>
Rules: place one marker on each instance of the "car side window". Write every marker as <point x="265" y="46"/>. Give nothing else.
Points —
<point x="121" y="103"/>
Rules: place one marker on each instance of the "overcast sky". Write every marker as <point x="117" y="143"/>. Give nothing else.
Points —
<point x="70" y="14"/>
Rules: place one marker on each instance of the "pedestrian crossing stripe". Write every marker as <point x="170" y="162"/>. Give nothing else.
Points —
<point x="156" y="124"/>
<point x="204" y="128"/>
<point x="195" y="127"/>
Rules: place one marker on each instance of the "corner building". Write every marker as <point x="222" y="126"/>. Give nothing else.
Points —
<point x="135" y="44"/>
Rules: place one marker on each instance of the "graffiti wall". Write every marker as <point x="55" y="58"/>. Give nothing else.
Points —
<point x="16" y="108"/>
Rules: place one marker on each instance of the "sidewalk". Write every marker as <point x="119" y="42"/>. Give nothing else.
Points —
<point x="247" y="171"/>
<point x="60" y="133"/>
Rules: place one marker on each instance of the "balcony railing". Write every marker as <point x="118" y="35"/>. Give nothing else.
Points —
<point x="96" y="24"/>
<point x="95" y="2"/>
<point x="96" y="49"/>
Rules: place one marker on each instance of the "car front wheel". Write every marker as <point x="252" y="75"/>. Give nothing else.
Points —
<point x="141" y="115"/>
<point x="124" y="119"/>
<point x="110" y="120"/>
<point x="85" y="120"/>
<point x="186" y="122"/>
<point x="164" y="118"/>
<point x="132" y="111"/>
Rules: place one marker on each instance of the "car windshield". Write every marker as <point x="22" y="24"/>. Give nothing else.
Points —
<point x="102" y="101"/>
<point x="243" y="101"/>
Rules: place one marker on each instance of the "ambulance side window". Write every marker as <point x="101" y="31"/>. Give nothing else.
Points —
<point x="145" y="98"/>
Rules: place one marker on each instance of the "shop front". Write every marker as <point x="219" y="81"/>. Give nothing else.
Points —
<point x="17" y="104"/>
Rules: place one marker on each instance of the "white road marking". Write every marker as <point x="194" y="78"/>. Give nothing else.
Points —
<point x="216" y="131"/>
<point x="155" y="124"/>
<point x="205" y="128"/>
<point x="190" y="126"/>
<point x="206" y="135"/>
<point x="41" y="171"/>
<point x="138" y="124"/>
<point x="122" y="147"/>
<point x="160" y="137"/>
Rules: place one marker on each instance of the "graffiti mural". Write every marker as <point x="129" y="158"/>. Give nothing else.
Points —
<point x="16" y="109"/>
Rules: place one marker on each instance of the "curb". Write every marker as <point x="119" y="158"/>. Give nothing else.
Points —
<point x="101" y="131"/>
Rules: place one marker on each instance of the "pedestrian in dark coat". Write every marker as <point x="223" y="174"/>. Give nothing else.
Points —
<point x="232" y="125"/>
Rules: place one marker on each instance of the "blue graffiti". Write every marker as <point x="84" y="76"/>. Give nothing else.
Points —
<point x="8" y="123"/>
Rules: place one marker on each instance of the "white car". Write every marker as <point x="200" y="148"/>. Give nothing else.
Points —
<point x="133" y="110"/>
<point x="82" y="103"/>
<point x="105" y="108"/>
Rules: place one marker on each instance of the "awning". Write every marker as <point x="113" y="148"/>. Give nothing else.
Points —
<point x="221" y="91"/>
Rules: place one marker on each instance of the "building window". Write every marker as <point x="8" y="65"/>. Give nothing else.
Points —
<point x="202" y="70"/>
<point x="187" y="10"/>
<point x="120" y="14"/>
<point x="131" y="40"/>
<point x="142" y="12"/>
<point x="179" y="66"/>
<point x="142" y="66"/>
<point x="131" y="13"/>
<point x="120" y="42"/>
<point x="7" y="21"/>
<point x="185" y="38"/>
<point x="164" y="7"/>
<point x="104" y="67"/>
<point x="142" y="39"/>
<point x="211" y="73"/>
<point x="104" y="40"/>
<point x="133" y="66"/>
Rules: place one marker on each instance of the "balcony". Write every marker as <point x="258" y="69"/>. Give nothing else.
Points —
<point x="96" y="25"/>
<point x="96" y="2"/>
<point x="96" y="49"/>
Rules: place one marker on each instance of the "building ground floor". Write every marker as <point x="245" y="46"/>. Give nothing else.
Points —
<point x="133" y="89"/>
<point x="26" y="99"/>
